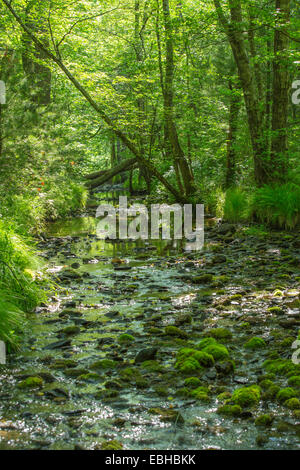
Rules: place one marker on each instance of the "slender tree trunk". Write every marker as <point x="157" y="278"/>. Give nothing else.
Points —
<point x="234" y="109"/>
<point x="281" y="82"/>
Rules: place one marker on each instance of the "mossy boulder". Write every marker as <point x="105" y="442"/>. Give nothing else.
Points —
<point x="174" y="331"/>
<point x="255" y="343"/>
<point x="152" y="366"/>
<point x="192" y="382"/>
<point x="104" y="364"/>
<point x="111" y="445"/>
<point x="286" y="393"/>
<point x="220" y="333"/>
<point x="201" y="394"/>
<point x="31" y="383"/>
<point x="292" y="404"/>
<point x="229" y="410"/>
<point x="190" y="360"/>
<point x="247" y="397"/>
<point x="218" y="351"/>
<point x="71" y="330"/>
<point x="125" y="339"/>
<point x="202" y="279"/>
<point x="264" y="420"/>
<point x="206" y="342"/>
<point x="294" y="381"/>
<point x="281" y="367"/>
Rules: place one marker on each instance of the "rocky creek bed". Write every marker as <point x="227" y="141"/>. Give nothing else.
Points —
<point x="146" y="347"/>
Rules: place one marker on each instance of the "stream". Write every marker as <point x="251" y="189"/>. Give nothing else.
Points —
<point x="96" y="369"/>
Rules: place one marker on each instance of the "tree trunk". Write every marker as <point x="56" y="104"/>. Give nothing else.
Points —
<point x="234" y="109"/>
<point x="279" y="151"/>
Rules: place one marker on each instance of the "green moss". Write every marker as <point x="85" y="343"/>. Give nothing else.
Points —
<point x="224" y="396"/>
<point x="71" y="330"/>
<point x="31" y="382"/>
<point x="218" y="351"/>
<point x="286" y="393"/>
<point x="130" y="374"/>
<point x="271" y="392"/>
<point x="188" y="365"/>
<point x="206" y="342"/>
<point x="203" y="279"/>
<point x="105" y="364"/>
<point x="277" y="310"/>
<point x="125" y="339"/>
<point x="111" y="445"/>
<point x="229" y="410"/>
<point x="88" y="377"/>
<point x="266" y="384"/>
<point x="201" y="394"/>
<point x="236" y="297"/>
<point x="264" y="420"/>
<point x="292" y="404"/>
<point x="281" y="367"/>
<point x="294" y="381"/>
<point x="152" y="366"/>
<point x="192" y="382"/>
<point x="220" y="333"/>
<point x="204" y="359"/>
<point x="189" y="360"/>
<point x="246" y="396"/>
<point x="255" y="343"/>
<point x="174" y="331"/>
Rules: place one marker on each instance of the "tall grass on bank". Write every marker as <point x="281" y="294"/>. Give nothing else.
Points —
<point x="278" y="206"/>
<point x="236" y="205"/>
<point x="20" y="287"/>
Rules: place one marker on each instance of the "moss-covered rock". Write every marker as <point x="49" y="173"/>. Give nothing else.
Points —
<point x="292" y="404"/>
<point x="286" y="393"/>
<point x="247" y="397"/>
<point x="264" y="420"/>
<point x="104" y="364"/>
<point x="203" y="279"/>
<point x="190" y="360"/>
<point x="220" y="333"/>
<point x="206" y="342"/>
<point x="125" y="339"/>
<point x="294" y="381"/>
<point x="281" y="367"/>
<point x="229" y="410"/>
<point x="174" y="331"/>
<point x="201" y="394"/>
<point x="255" y="343"/>
<point x="192" y="382"/>
<point x="224" y="396"/>
<point x="152" y="366"/>
<point x="71" y="330"/>
<point x="218" y="351"/>
<point x="31" y="383"/>
<point x="111" y="445"/>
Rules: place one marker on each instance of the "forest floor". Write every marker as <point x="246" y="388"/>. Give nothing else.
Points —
<point x="100" y="366"/>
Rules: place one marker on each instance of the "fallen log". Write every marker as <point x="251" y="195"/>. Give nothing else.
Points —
<point x="123" y="166"/>
<point x="96" y="174"/>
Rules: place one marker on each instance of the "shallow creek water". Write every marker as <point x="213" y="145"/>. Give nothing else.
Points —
<point x="139" y="288"/>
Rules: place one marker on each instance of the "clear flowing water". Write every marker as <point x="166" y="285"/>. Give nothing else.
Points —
<point x="137" y="288"/>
